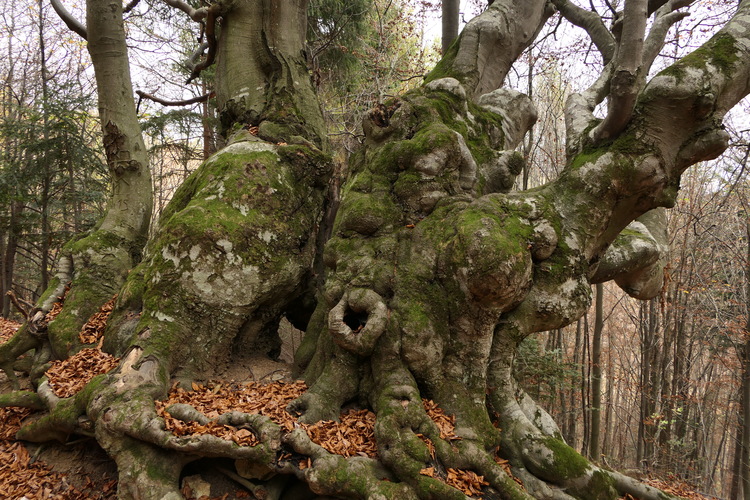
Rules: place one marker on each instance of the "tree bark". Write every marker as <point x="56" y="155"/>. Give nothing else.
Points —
<point x="433" y="274"/>
<point x="745" y="398"/>
<point x="596" y="374"/>
<point x="449" y="22"/>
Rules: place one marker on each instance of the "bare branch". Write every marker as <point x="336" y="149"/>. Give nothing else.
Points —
<point x="17" y="302"/>
<point x="623" y="87"/>
<point x="505" y="29"/>
<point x="579" y="109"/>
<point x="195" y="57"/>
<point x="666" y="17"/>
<point x="164" y="102"/>
<point x="592" y="23"/>
<point x="71" y="22"/>
<point x="194" y="14"/>
<point x="130" y="6"/>
<point x="210" y="25"/>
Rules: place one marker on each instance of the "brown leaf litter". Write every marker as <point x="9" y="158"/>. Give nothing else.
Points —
<point x="8" y="328"/>
<point x="21" y="476"/>
<point x="69" y="376"/>
<point x="93" y="330"/>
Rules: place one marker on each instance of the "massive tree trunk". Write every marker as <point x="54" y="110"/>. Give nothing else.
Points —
<point x="434" y="271"/>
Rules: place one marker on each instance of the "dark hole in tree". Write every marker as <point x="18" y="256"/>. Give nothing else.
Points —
<point x="355" y="320"/>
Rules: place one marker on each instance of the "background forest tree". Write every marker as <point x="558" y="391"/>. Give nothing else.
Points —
<point x="680" y="364"/>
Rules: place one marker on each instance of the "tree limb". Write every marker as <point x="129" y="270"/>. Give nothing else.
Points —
<point x="666" y="17"/>
<point x="505" y="30"/>
<point x="16" y="302"/>
<point x="164" y="102"/>
<point x="623" y="87"/>
<point x="196" y="15"/>
<point x="212" y="13"/>
<point x="71" y="22"/>
<point x="592" y="23"/>
<point x="130" y="6"/>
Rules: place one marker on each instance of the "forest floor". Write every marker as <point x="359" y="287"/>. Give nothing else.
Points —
<point x="80" y="470"/>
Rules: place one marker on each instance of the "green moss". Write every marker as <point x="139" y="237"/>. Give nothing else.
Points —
<point x="720" y="51"/>
<point x="444" y="68"/>
<point x="367" y="213"/>
<point x="566" y="463"/>
<point x="97" y="240"/>
<point x="601" y="487"/>
<point x="53" y="284"/>
<point x="516" y="163"/>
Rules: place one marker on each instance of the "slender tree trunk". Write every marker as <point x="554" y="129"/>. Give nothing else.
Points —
<point x="586" y="387"/>
<point x="596" y="374"/>
<point x="9" y="258"/>
<point x="44" y="247"/>
<point x="450" y="23"/>
<point x="745" y="390"/>
<point x="129" y="210"/>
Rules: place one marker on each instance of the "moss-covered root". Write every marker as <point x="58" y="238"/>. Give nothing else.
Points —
<point x="145" y="472"/>
<point x="11" y="350"/>
<point x="409" y="441"/>
<point x="337" y="384"/>
<point x="24" y="399"/>
<point x="354" y="477"/>
<point x="549" y="466"/>
<point x="65" y="417"/>
<point x="33" y="333"/>
<point x="554" y="461"/>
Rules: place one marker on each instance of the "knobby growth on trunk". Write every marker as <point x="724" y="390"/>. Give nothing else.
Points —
<point x="434" y="271"/>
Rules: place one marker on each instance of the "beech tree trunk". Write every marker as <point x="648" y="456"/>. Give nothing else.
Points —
<point x="449" y="23"/>
<point x="434" y="271"/>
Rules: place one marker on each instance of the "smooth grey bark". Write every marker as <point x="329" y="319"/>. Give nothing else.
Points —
<point x="449" y="23"/>
<point x="99" y="262"/>
<point x="129" y="210"/>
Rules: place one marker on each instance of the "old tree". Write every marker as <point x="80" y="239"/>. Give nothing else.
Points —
<point x="420" y="283"/>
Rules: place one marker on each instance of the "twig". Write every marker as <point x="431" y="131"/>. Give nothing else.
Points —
<point x="17" y="302"/>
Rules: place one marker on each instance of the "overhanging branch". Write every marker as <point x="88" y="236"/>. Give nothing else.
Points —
<point x="164" y="102"/>
<point x="71" y="22"/>
<point x="592" y="23"/>
<point x="196" y="15"/>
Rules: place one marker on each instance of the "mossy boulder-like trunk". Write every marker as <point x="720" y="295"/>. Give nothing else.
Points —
<point x="434" y="271"/>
